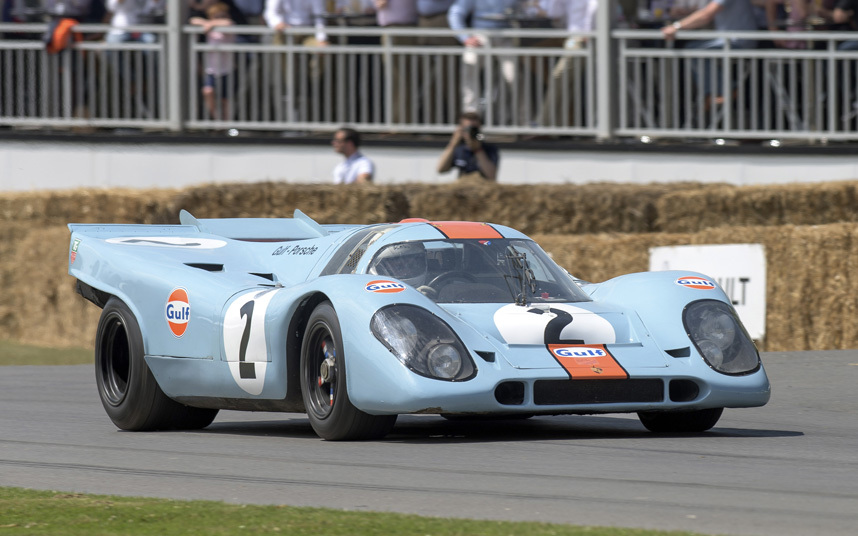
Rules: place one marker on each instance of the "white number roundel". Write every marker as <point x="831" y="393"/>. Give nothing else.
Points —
<point x="244" y="339"/>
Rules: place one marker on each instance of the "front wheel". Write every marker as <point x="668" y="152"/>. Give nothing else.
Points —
<point x="323" y="384"/>
<point x="129" y="393"/>
<point x="666" y="422"/>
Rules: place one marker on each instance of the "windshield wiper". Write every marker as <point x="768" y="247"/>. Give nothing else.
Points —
<point x="523" y="274"/>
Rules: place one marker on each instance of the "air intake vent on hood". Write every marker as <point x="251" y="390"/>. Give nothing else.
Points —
<point x="208" y="267"/>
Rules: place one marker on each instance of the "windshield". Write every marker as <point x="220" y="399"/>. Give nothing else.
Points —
<point x="477" y="271"/>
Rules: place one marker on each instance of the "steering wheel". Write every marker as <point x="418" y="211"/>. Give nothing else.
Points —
<point x="442" y="279"/>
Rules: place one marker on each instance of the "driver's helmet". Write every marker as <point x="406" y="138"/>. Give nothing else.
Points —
<point x="405" y="261"/>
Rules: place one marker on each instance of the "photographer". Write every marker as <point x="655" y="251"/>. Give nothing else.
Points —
<point x="468" y="152"/>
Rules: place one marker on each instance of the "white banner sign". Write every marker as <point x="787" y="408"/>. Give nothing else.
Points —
<point x="740" y="269"/>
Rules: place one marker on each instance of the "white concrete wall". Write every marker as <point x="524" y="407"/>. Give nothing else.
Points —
<point x="59" y="165"/>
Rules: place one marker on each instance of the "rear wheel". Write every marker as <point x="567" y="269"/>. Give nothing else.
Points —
<point x="680" y="421"/>
<point x="129" y="393"/>
<point x="323" y="384"/>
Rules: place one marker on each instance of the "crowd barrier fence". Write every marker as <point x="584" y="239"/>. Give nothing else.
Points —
<point x="604" y="84"/>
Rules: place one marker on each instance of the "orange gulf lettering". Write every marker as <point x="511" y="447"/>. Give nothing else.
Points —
<point x="588" y="361"/>
<point x="466" y="229"/>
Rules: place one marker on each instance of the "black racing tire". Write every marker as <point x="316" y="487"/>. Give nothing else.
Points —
<point x="329" y="409"/>
<point x="128" y="390"/>
<point x="678" y="422"/>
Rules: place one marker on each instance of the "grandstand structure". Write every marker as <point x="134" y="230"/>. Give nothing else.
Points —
<point x="625" y="90"/>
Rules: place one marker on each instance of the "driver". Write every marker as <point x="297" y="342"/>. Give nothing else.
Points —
<point x="405" y="261"/>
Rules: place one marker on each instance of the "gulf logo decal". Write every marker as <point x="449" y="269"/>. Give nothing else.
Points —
<point x="588" y="361"/>
<point x="695" y="282"/>
<point x="383" y="286"/>
<point x="178" y="311"/>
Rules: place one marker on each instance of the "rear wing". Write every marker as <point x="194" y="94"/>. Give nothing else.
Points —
<point x="299" y="227"/>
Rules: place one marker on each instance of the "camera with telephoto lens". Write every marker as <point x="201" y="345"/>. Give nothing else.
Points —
<point x="475" y="134"/>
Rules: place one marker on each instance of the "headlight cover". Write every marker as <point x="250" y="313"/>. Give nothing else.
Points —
<point x="423" y="342"/>
<point x="720" y="337"/>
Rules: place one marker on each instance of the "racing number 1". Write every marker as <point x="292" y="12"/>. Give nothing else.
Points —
<point x="246" y="370"/>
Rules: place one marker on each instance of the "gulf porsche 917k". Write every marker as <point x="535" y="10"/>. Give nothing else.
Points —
<point x="356" y="324"/>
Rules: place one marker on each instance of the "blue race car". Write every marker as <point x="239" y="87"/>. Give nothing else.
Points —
<point x="355" y="324"/>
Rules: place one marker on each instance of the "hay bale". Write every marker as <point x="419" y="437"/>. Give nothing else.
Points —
<point x="727" y="206"/>
<point x="86" y="206"/>
<point x="532" y="209"/>
<point x="810" y="286"/>
<point x="324" y="203"/>
<point x="40" y="305"/>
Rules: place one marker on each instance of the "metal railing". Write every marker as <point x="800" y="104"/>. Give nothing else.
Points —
<point x="365" y="78"/>
<point x="612" y="83"/>
<point x="763" y="92"/>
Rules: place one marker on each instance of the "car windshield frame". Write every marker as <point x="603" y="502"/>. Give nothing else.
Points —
<point x="503" y="270"/>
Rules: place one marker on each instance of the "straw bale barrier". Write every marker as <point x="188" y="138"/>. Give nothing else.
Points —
<point x="558" y="209"/>
<point x="532" y="209"/>
<point x="689" y="210"/>
<point x="811" y="280"/>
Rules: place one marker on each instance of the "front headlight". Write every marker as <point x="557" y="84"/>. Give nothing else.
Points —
<point x="422" y="342"/>
<point x="719" y="336"/>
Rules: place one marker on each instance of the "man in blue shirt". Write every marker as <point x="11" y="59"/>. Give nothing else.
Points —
<point x="468" y="152"/>
<point x="483" y="15"/>
<point x="727" y="15"/>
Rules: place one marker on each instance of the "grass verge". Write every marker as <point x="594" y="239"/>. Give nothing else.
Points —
<point x="71" y="514"/>
<point x="12" y="353"/>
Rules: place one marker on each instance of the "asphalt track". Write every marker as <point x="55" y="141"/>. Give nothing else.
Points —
<point x="789" y="468"/>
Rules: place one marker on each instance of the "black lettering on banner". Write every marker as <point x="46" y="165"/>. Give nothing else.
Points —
<point x="246" y="370"/>
<point x="730" y="284"/>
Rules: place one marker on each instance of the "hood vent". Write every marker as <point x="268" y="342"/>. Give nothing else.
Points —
<point x="208" y="267"/>
<point x="679" y="352"/>
<point x="488" y="357"/>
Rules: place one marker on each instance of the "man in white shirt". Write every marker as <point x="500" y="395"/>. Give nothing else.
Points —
<point x="356" y="168"/>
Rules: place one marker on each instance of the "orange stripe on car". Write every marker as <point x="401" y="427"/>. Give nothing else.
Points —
<point x="588" y="361"/>
<point x="466" y="229"/>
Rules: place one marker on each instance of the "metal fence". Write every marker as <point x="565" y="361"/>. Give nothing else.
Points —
<point x="806" y="92"/>
<point x="602" y="84"/>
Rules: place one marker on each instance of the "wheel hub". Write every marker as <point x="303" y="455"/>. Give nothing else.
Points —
<point x="328" y="371"/>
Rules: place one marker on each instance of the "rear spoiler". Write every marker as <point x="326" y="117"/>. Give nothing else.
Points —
<point x="299" y="227"/>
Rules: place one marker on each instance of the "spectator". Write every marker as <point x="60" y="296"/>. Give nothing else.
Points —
<point x="483" y="15"/>
<point x="218" y="65"/>
<point x="433" y="14"/>
<point x="199" y="8"/>
<point x="282" y="14"/>
<point x="357" y="168"/>
<point x="399" y="14"/>
<point x="683" y="8"/>
<point x="435" y="108"/>
<point x="789" y="15"/>
<point x="468" y="152"/>
<point x="576" y="16"/>
<point x="846" y="12"/>
<point x="128" y="13"/>
<point x="727" y="15"/>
